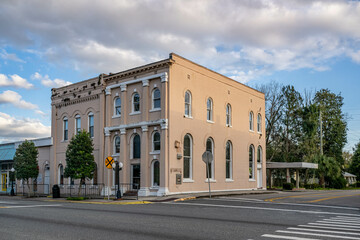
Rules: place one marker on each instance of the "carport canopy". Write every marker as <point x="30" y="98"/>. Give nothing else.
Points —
<point x="290" y="165"/>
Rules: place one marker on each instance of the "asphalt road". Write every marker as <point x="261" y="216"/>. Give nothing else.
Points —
<point x="335" y="215"/>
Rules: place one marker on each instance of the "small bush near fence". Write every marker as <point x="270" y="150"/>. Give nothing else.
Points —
<point x="312" y="186"/>
<point x="288" y="186"/>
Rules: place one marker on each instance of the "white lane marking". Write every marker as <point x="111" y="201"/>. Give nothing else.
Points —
<point x="325" y="231"/>
<point x="318" y="235"/>
<point x="30" y="206"/>
<point x="327" y="227"/>
<point x="342" y="220"/>
<point x="3" y="202"/>
<point x="340" y="223"/>
<point x="287" y="237"/>
<point x="334" y="225"/>
<point x="346" y="218"/>
<point x="260" y="208"/>
<point x="291" y="204"/>
<point x="249" y="199"/>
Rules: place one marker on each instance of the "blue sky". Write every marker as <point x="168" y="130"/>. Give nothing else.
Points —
<point x="45" y="44"/>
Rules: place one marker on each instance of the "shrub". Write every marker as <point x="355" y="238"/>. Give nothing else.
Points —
<point x="76" y="198"/>
<point x="312" y="186"/>
<point x="288" y="186"/>
<point x="338" y="183"/>
<point x="357" y="184"/>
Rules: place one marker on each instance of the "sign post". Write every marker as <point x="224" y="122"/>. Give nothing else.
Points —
<point x="108" y="164"/>
<point x="207" y="157"/>
<point x="117" y="166"/>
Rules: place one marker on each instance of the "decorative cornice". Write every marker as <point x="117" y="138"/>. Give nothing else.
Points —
<point x="123" y="87"/>
<point x="107" y="132"/>
<point x="122" y="131"/>
<point x="164" y="78"/>
<point x="137" y="125"/>
<point x="107" y="91"/>
<point x="144" y="128"/>
<point x="165" y="124"/>
<point x="145" y="83"/>
<point x="76" y="101"/>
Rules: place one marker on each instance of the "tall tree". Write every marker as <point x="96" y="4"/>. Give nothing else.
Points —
<point x="334" y="125"/>
<point x="26" y="163"/>
<point x="355" y="163"/>
<point x="328" y="168"/>
<point x="80" y="162"/>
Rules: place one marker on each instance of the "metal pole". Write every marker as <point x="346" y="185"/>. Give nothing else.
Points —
<point x="118" y="193"/>
<point x="208" y="173"/>
<point x="321" y="134"/>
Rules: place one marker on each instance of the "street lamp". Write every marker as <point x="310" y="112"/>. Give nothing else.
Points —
<point x="117" y="167"/>
<point x="12" y="170"/>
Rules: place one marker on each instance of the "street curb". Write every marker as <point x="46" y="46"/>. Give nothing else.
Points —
<point x="184" y="199"/>
<point x="105" y="203"/>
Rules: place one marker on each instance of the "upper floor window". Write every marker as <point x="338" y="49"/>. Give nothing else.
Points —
<point x="251" y="121"/>
<point x="251" y="162"/>
<point x="136" y="146"/>
<point x="91" y="124"/>
<point x="259" y="122"/>
<point x="210" y="148"/>
<point x="228" y="115"/>
<point x="117" y="145"/>
<point x="228" y="159"/>
<point x="117" y="106"/>
<point x="77" y="123"/>
<point x="66" y="128"/>
<point x="136" y="102"/>
<point x="155" y="174"/>
<point x="187" y="156"/>
<point x="259" y="155"/>
<point x="156" y="97"/>
<point x="209" y="108"/>
<point x="156" y="141"/>
<point x="188" y="104"/>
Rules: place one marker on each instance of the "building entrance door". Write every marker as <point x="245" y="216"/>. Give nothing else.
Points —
<point x="3" y="182"/>
<point x="135" y="176"/>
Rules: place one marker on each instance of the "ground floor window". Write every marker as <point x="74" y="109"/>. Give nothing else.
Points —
<point x="156" y="173"/>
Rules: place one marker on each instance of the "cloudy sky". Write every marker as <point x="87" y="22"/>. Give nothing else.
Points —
<point x="48" y="43"/>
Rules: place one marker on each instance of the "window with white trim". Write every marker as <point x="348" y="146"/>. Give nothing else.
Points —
<point x="228" y="115"/>
<point x="210" y="148"/>
<point x="155" y="174"/>
<point x="136" y="149"/>
<point x="91" y="124"/>
<point x="228" y="159"/>
<point x="136" y="103"/>
<point x="259" y="120"/>
<point x="61" y="175"/>
<point x="251" y="121"/>
<point x="187" y="157"/>
<point x="117" y="106"/>
<point x="156" y="99"/>
<point x="117" y="145"/>
<point x="251" y="162"/>
<point x="66" y="129"/>
<point x="187" y="104"/>
<point x="259" y="154"/>
<point x="209" y="109"/>
<point x="156" y="141"/>
<point x="77" y="124"/>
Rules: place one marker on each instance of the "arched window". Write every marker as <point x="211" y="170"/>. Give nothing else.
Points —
<point x="95" y="176"/>
<point x="156" y="141"/>
<point x="61" y="174"/>
<point x="136" y="102"/>
<point x="155" y="173"/>
<point x="117" y="106"/>
<point x="187" y="104"/>
<point x="259" y="154"/>
<point x="66" y="129"/>
<point x="251" y="121"/>
<point x="259" y="123"/>
<point x="210" y="148"/>
<point x="156" y="97"/>
<point x="228" y="159"/>
<point x="228" y="115"/>
<point x="251" y="162"/>
<point x="91" y="124"/>
<point x="188" y="156"/>
<point x="209" y="109"/>
<point x="136" y="146"/>
<point x="117" y="145"/>
<point x="77" y="124"/>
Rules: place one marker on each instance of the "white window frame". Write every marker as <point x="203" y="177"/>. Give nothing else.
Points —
<point x="153" y="174"/>
<point x="212" y="170"/>
<point x="153" y="108"/>
<point x="91" y="115"/>
<point x="228" y="115"/>
<point x="153" y="142"/>
<point x="77" y="118"/>
<point x="209" y="110"/>
<point x="259" y="122"/>
<point x="188" y="105"/>
<point x="65" y="120"/>
<point x="259" y="154"/>
<point x="116" y="107"/>
<point x="251" y="121"/>
<point x="252" y="177"/>
<point x="114" y="145"/>
<point x="190" y="157"/>
<point x="133" y="103"/>
<point x="229" y="143"/>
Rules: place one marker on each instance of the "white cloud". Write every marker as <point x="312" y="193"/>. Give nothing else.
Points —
<point x="13" y="129"/>
<point x="46" y="81"/>
<point x="14" y="81"/>
<point x="10" y="56"/>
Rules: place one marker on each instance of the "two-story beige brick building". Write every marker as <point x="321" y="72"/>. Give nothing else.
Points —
<point x="158" y="120"/>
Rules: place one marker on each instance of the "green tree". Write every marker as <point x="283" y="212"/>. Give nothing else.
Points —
<point x="355" y="163"/>
<point x="80" y="162"/>
<point x="328" y="168"/>
<point x="26" y="163"/>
